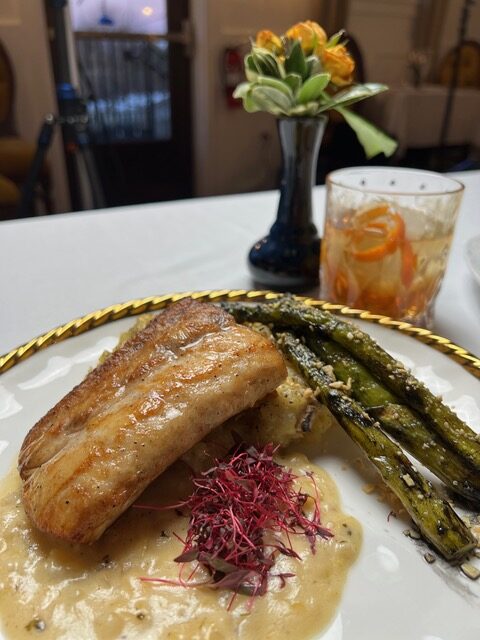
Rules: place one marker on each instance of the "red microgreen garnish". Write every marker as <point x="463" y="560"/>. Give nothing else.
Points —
<point x="243" y="512"/>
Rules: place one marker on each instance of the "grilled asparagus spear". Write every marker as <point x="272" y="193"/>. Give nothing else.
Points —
<point x="437" y="521"/>
<point x="287" y="313"/>
<point x="399" y="421"/>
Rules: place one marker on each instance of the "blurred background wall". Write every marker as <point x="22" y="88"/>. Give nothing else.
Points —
<point x="156" y="75"/>
<point x="234" y="150"/>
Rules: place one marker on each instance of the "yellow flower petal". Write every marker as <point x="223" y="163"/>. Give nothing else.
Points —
<point x="339" y="63"/>
<point x="268" y="40"/>
<point x="311" y="35"/>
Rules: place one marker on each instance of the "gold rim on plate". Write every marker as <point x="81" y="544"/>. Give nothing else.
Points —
<point x="155" y="303"/>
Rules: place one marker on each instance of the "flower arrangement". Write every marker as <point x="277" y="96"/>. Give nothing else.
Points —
<point x="304" y="74"/>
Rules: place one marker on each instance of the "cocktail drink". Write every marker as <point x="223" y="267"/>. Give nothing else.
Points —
<point x="386" y="240"/>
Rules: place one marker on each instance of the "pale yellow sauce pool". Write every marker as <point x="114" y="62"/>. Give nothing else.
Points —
<point x="80" y="592"/>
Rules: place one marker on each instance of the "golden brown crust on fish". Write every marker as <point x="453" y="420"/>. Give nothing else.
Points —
<point x="93" y="453"/>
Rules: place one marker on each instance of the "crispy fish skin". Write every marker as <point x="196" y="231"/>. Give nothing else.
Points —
<point x="91" y="455"/>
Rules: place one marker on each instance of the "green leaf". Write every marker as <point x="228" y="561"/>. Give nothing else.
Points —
<point x="280" y="85"/>
<point x="242" y="89"/>
<point x="335" y="39"/>
<point x="313" y="88"/>
<point x="354" y="94"/>
<point x="249" y="63"/>
<point x="310" y="109"/>
<point x="249" y="103"/>
<point x="294" y="81"/>
<point x="250" y="68"/>
<point x="296" y="63"/>
<point x="372" y="139"/>
<point x="265" y="63"/>
<point x="271" y="100"/>
<point x="314" y="66"/>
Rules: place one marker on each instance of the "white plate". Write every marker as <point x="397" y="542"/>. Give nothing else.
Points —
<point x="472" y="254"/>
<point x="392" y="593"/>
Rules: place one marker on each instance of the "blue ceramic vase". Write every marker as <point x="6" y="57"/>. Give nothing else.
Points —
<point x="288" y="258"/>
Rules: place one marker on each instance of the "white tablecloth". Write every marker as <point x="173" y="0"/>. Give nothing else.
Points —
<point x="54" y="269"/>
<point x="414" y="116"/>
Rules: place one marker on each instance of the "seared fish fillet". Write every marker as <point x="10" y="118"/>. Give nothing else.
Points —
<point x="188" y="371"/>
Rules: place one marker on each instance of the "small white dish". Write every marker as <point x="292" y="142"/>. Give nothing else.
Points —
<point x="472" y="256"/>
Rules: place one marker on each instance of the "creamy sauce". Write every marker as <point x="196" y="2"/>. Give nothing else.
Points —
<point x="52" y="590"/>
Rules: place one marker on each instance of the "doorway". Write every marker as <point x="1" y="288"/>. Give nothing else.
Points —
<point x="133" y="66"/>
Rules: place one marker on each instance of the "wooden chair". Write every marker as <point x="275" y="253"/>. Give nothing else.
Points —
<point x="9" y="198"/>
<point x="469" y="68"/>
<point x="16" y="154"/>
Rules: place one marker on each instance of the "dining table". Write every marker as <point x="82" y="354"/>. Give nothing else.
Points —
<point x="59" y="267"/>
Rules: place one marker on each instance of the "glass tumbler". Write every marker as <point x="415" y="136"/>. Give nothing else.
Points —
<point x="387" y="238"/>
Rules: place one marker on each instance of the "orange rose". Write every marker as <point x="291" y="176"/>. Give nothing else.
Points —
<point x="311" y="35"/>
<point x="268" y="40"/>
<point x="339" y="64"/>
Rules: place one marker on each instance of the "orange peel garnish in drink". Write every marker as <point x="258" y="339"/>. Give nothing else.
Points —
<point x="382" y="229"/>
<point x="379" y="232"/>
